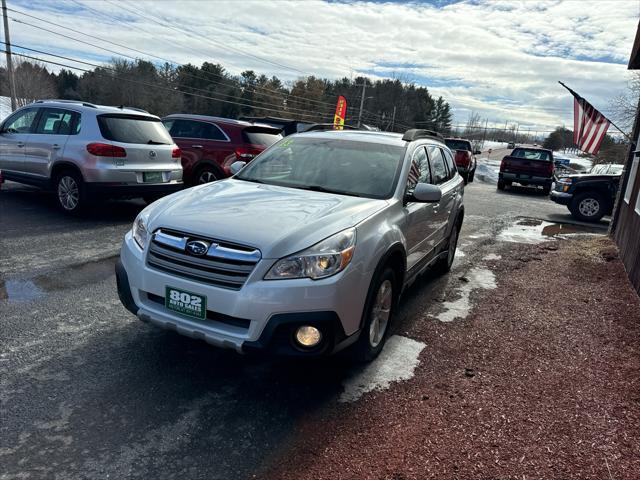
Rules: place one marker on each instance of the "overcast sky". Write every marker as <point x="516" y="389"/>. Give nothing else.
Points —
<point x="499" y="58"/>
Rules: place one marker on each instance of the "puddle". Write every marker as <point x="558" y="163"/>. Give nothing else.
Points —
<point x="530" y="230"/>
<point x="19" y="291"/>
<point x="477" y="278"/>
<point x="397" y="362"/>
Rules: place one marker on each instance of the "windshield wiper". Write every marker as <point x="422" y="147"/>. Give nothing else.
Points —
<point x="153" y="142"/>
<point x="320" y="188"/>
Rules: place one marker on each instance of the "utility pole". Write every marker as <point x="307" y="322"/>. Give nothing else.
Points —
<point x="7" y="40"/>
<point x="364" y="86"/>
<point x="393" y="118"/>
<point x="484" y="136"/>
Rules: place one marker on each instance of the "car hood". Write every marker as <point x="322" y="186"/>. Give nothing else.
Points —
<point x="277" y="220"/>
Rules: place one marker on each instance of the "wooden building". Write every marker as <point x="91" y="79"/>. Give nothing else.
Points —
<point x="625" y="224"/>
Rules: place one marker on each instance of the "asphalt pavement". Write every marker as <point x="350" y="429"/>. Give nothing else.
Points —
<point x="88" y="391"/>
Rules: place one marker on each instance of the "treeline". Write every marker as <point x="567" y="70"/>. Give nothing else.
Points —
<point x="211" y="90"/>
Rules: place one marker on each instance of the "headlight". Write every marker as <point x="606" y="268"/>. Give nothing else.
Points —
<point x="324" y="259"/>
<point x="139" y="229"/>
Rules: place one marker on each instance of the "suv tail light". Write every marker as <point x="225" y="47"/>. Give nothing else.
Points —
<point x="246" y="153"/>
<point x="503" y="164"/>
<point x="106" y="150"/>
<point x="176" y="153"/>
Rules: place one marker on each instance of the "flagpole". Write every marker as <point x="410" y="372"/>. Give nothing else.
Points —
<point x="612" y="124"/>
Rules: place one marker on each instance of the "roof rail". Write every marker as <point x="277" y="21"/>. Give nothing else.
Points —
<point x="417" y="133"/>
<point x="61" y="100"/>
<point x="321" y="127"/>
<point x="122" y="107"/>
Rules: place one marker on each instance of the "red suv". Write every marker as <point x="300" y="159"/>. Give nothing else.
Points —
<point x="210" y="145"/>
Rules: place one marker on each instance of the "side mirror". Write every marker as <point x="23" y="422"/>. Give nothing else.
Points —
<point x="427" y="193"/>
<point x="236" y="167"/>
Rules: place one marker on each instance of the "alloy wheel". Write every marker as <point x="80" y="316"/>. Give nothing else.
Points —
<point x="589" y="207"/>
<point x="207" y="176"/>
<point x="68" y="193"/>
<point x="380" y="313"/>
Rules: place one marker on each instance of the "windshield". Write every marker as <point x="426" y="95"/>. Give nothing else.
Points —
<point x="332" y="165"/>
<point x="531" y="154"/>
<point x="458" y="144"/>
<point x="134" y="129"/>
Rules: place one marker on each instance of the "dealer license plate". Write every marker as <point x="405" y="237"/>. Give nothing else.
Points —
<point x="186" y="303"/>
<point x="152" y="177"/>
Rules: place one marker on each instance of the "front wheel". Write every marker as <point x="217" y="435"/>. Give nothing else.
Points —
<point x="377" y="316"/>
<point x="588" y="206"/>
<point x="70" y="192"/>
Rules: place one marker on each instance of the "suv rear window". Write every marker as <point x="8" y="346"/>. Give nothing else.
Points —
<point x="261" y="136"/>
<point x="133" y="129"/>
<point x="458" y="144"/>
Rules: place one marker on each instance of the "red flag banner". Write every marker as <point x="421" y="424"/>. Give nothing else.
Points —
<point x="341" y="112"/>
<point x="589" y="125"/>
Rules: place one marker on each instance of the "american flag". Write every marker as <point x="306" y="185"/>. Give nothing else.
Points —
<point x="589" y="125"/>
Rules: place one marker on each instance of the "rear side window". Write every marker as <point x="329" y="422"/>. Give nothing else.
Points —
<point x="133" y="129"/>
<point x="257" y="136"/>
<point x="450" y="163"/>
<point x="55" y="121"/>
<point x="193" y="129"/>
<point x="439" y="172"/>
<point x="21" y="122"/>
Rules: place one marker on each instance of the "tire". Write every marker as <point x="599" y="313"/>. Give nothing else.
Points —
<point x="471" y="175"/>
<point x="465" y="178"/>
<point x="207" y="174"/>
<point x="443" y="265"/>
<point x="500" y="184"/>
<point x="149" y="199"/>
<point x="378" y="310"/>
<point x="70" y="192"/>
<point x="546" y="190"/>
<point x="588" y="206"/>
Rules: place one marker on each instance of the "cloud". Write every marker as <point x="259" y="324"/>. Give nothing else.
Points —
<point x="501" y="59"/>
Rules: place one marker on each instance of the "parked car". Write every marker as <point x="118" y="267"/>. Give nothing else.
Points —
<point x="210" y="145"/>
<point x="511" y="145"/>
<point x="464" y="157"/>
<point x="288" y="126"/>
<point x="304" y="251"/>
<point x="589" y="196"/>
<point x="81" y="150"/>
<point x="527" y="166"/>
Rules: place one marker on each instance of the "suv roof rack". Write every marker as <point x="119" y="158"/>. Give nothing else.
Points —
<point x="417" y="133"/>
<point x="61" y="100"/>
<point x="320" y="127"/>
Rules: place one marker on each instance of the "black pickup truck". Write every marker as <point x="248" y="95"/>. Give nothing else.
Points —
<point x="527" y="166"/>
<point x="588" y="196"/>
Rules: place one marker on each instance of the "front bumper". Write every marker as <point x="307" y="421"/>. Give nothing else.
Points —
<point x="261" y="316"/>
<point x="562" y="198"/>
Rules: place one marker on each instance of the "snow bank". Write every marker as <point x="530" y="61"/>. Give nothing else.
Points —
<point x="576" y="162"/>
<point x="487" y="170"/>
<point x="490" y="144"/>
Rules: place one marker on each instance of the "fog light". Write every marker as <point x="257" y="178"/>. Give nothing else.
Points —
<point x="308" y="336"/>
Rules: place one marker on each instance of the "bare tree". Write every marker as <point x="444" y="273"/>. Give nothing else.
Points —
<point x="33" y="82"/>
<point x="623" y="107"/>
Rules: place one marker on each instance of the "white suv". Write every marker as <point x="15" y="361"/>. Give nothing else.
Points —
<point x="79" y="149"/>
<point x="304" y="251"/>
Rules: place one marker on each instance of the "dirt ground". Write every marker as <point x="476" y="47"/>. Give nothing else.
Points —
<point x="541" y="380"/>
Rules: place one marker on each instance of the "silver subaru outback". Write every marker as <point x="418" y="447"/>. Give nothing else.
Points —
<point x="306" y="250"/>
<point x="81" y="150"/>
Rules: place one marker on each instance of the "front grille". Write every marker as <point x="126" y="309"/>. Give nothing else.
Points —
<point x="224" y="265"/>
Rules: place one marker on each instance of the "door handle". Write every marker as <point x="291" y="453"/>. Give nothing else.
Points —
<point x="55" y="146"/>
<point x="196" y="146"/>
<point x="20" y="144"/>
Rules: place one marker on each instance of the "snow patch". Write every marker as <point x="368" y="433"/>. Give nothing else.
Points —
<point x="525" y="231"/>
<point x="5" y="107"/>
<point x="478" y="278"/>
<point x="492" y="256"/>
<point x="397" y="362"/>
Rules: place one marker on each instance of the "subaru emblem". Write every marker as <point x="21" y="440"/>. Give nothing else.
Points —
<point x="197" y="247"/>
